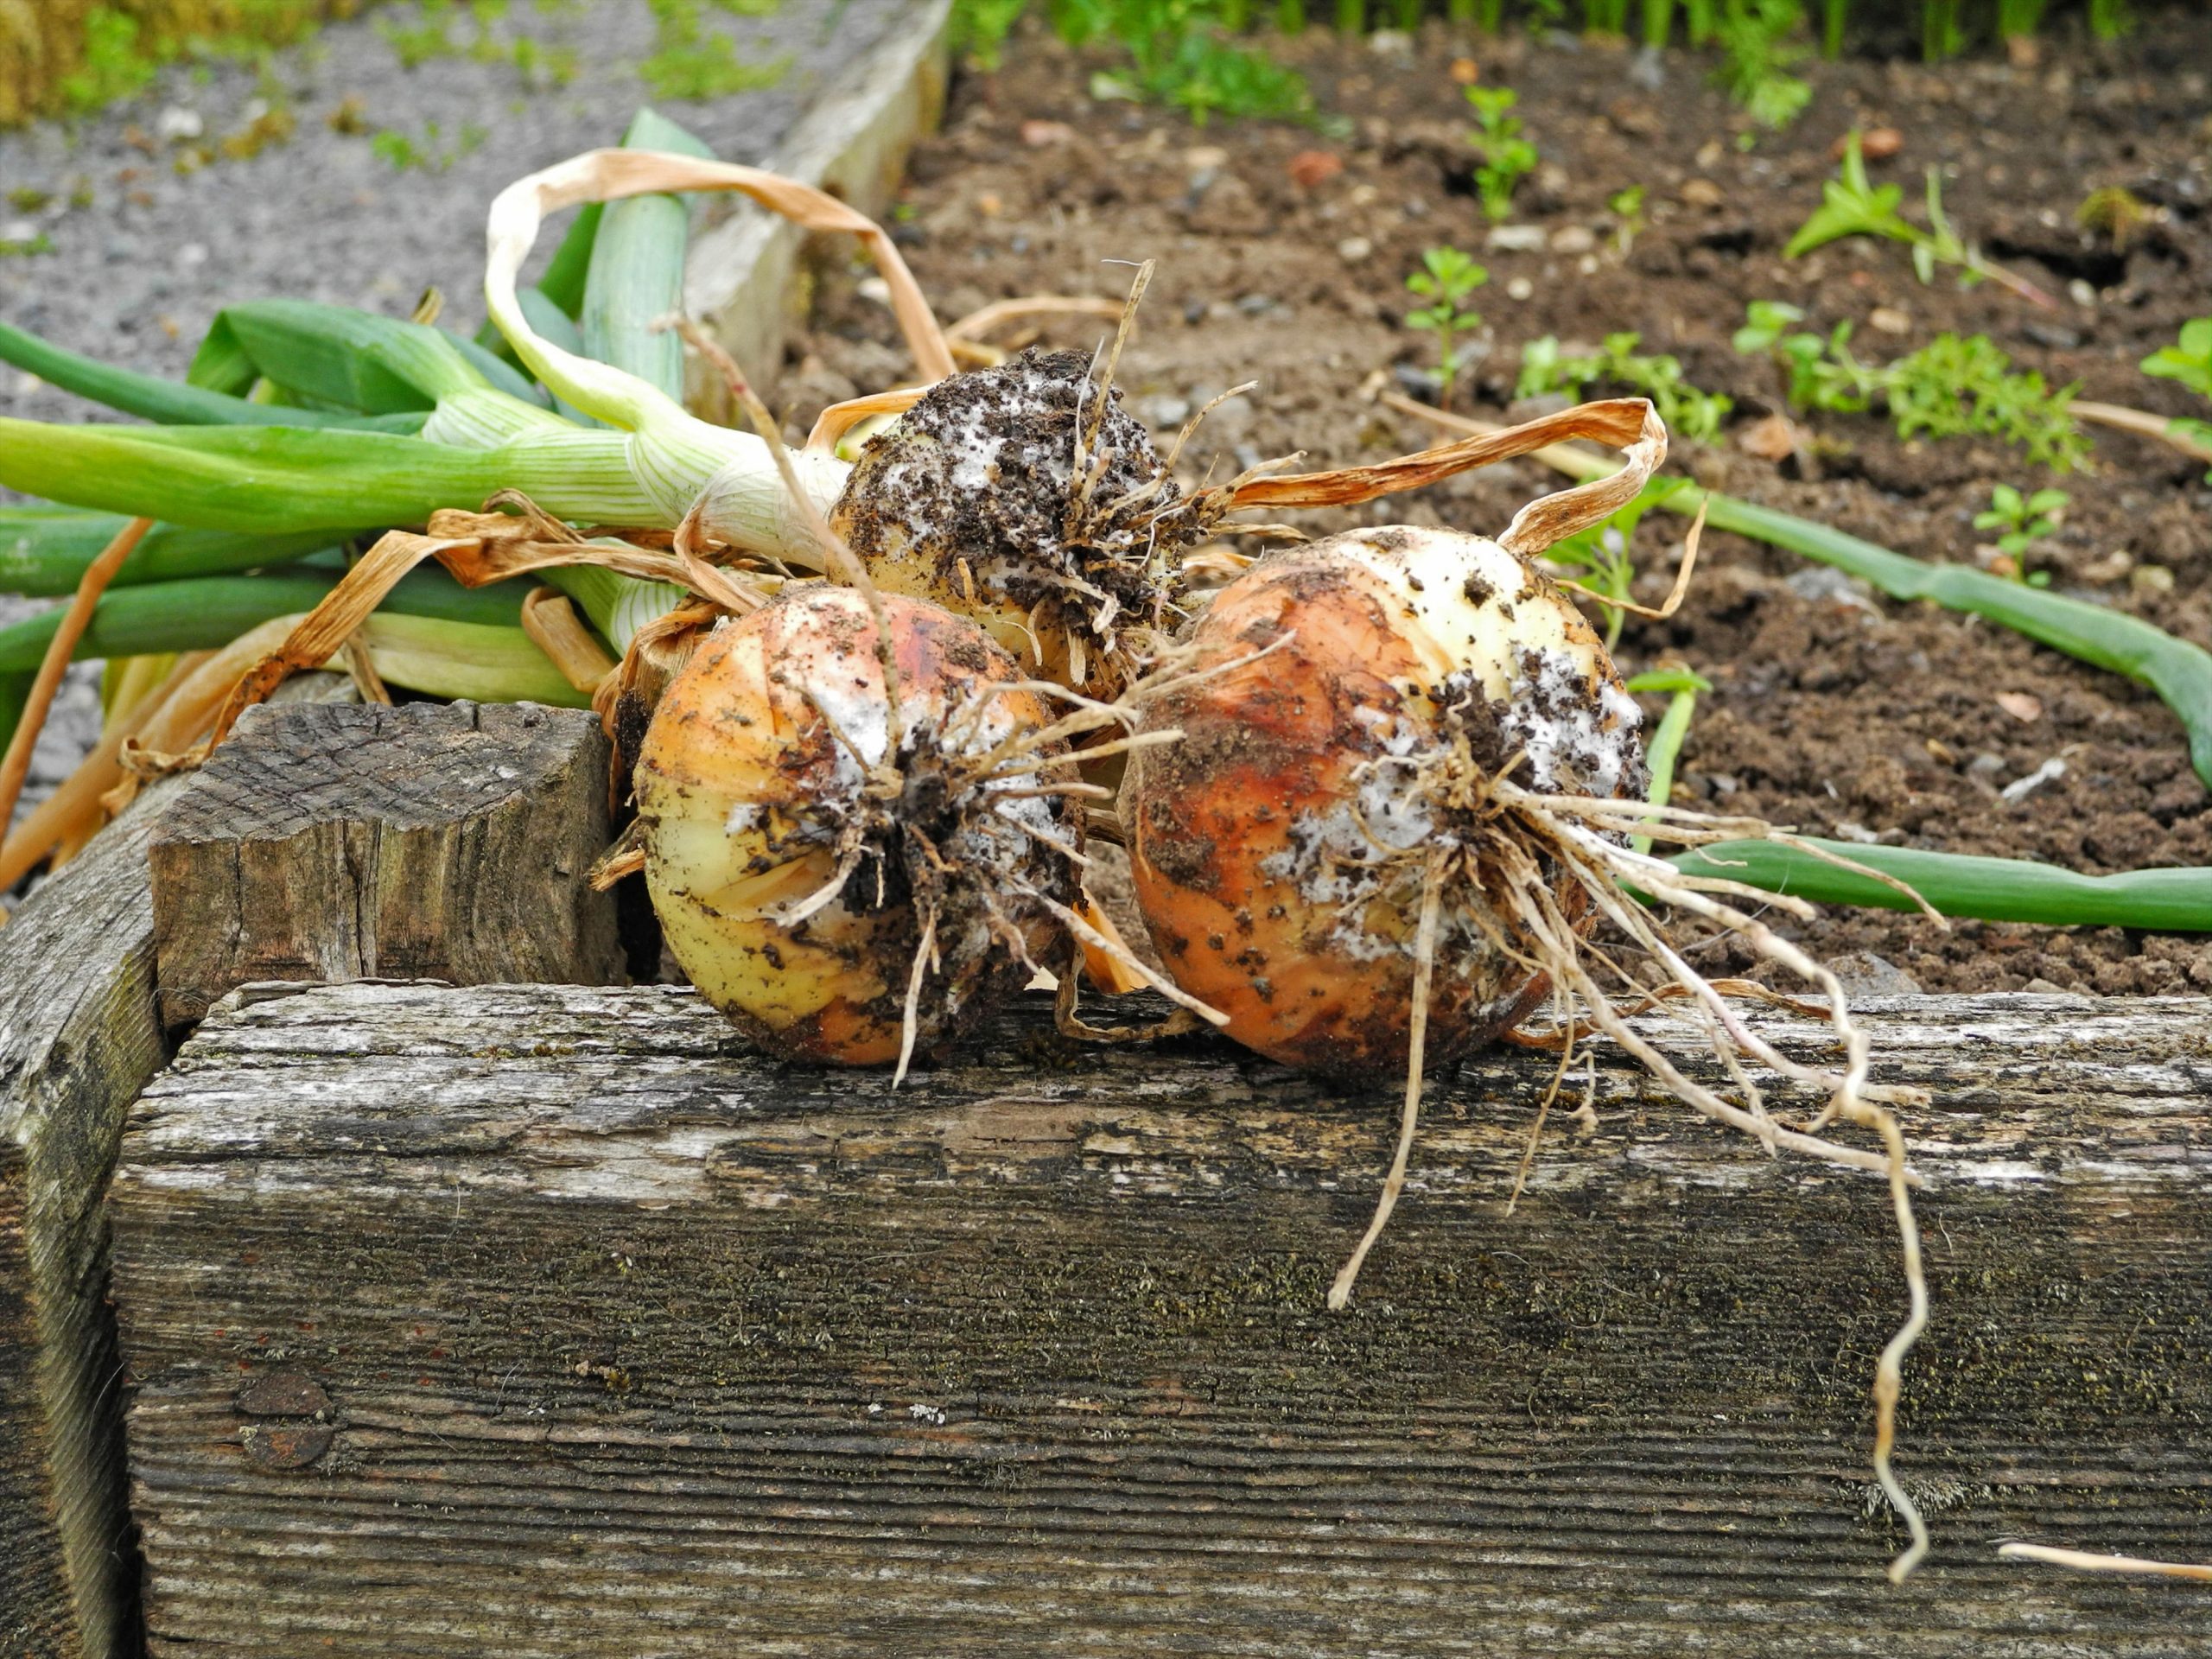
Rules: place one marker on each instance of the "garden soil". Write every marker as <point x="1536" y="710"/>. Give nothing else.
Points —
<point x="1282" y="251"/>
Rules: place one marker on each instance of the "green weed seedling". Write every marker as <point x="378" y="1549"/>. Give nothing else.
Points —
<point x="2024" y="520"/>
<point x="1626" y="206"/>
<point x="1181" y="53"/>
<point x="432" y="155"/>
<point x="1507" y="157"/>
<point x="1446" y="277"/>
<point x="1823" y="375"/>
<point x="2189" y="360"/>
<point x="1852" y="205"/>
<point x="1758" y="54"/>
<point x="1953" y="386"/>
<point x="1688" y="411"/>
<point x="690" y="61"/>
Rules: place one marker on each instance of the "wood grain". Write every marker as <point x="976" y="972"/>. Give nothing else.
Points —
<point x="78" y="1040"/>
<point x="79" y="1037"/>
<point x="597" y="1333"/>
<point x="427" y="841"/>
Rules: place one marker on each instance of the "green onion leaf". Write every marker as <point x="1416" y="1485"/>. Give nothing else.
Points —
<point x="44" y="550"/>
<point x="275" y="481"/>
<point x="150" y="397"/>
<point x="1989" y="889"/>
<point x="340" y="357"/>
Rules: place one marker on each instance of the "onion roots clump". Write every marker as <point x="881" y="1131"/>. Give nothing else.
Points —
<point x="1023" y="495"/>
<point x="850" y="865"/>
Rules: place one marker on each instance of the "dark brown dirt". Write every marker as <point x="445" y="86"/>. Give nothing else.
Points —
<point x="1837" y="711"/>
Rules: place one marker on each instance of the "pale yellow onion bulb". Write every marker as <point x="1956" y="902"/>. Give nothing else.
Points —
<point x="748" y="797"/>
<point x="1277" y="850"/>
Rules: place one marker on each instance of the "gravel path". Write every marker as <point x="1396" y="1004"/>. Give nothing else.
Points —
<point x="143" y="254"/>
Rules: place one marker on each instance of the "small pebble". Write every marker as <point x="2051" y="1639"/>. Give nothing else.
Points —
<point x="181" y="126"/>
<point x="1516" y="239"/>
<point x="1164" y="410"/>
<point x="1353" y="249"/>
<point x="1573" y="239"/>
<point x="1520" y="288"/>
<point x="1861" y="973"/>
<point x="1889" y="320"/>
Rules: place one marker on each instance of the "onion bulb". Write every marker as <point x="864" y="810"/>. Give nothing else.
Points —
<point x="822" y="850"/>
<point x="1281" y="852"/>
<point x="1024" y="496"/>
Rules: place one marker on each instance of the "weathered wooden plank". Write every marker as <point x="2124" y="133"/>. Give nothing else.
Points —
<point x="553" y="1321"/>
<point x="429" y="841"/>
<point x="78" y="1040"/>
<point x="79" y="1037"/>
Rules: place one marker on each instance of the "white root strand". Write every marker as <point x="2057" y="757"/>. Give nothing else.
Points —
<point x="1432" y="908"/>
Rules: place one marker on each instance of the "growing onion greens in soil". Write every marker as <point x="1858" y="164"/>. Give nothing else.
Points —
<point x="1210" y="57"/>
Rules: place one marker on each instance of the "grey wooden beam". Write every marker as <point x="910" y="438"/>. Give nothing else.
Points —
<point x="551" y="1320"/>
<point x="440" y="840"/>
<point x="79" y="1037"/>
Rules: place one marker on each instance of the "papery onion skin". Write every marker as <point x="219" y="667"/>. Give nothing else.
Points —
<point x="741" y="787"/>
<point x="1249" y="841"/>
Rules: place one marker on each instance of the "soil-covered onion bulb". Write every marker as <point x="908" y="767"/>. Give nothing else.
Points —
<point x="1282" y="851"/>
<point x="1025" y="497"/>
<point x="849" y="875"/>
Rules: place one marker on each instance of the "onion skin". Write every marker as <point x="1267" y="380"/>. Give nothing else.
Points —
<point x="742" y="789"/>
<point x="1249" y="840"/>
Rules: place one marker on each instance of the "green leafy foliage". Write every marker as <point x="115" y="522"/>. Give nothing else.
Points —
<point x="1823" y="375"/>
<point x="1507" y="156"/>
<point x="1853" y="206"/>
<point x="434" y="154"/>
<point x="121" y="52"/>
<point x="1953" y="386"/>
<point x="113" y="66"/>
<point x="1446" y="277"/>
<point x="1688" y="412"/>
<point x="2024" y="520"/>
<point x="1181" y="53"/>
<point x="1626" y="206"/>
<point x="1757" y="54"/>
<point x="2189" y="360"/>
<point x="691" y="61"/>
<point x="979" y="28"/>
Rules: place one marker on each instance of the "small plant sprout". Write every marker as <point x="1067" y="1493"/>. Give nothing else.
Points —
<point x="2026" y="521"/>
<point x="1507" y="157"/>
<point x="1688" y="412"/>
<point x="2189" y="360"/>
<point x="1757" y="54"/>
<point x="1852" y="205"/>
<point x="1446" y="277"/>
<point x="1951" y="387"/>
<point x="1682" y="685"/>
<point x="1626" y="207"/>
<point x="2114" y="213"/>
